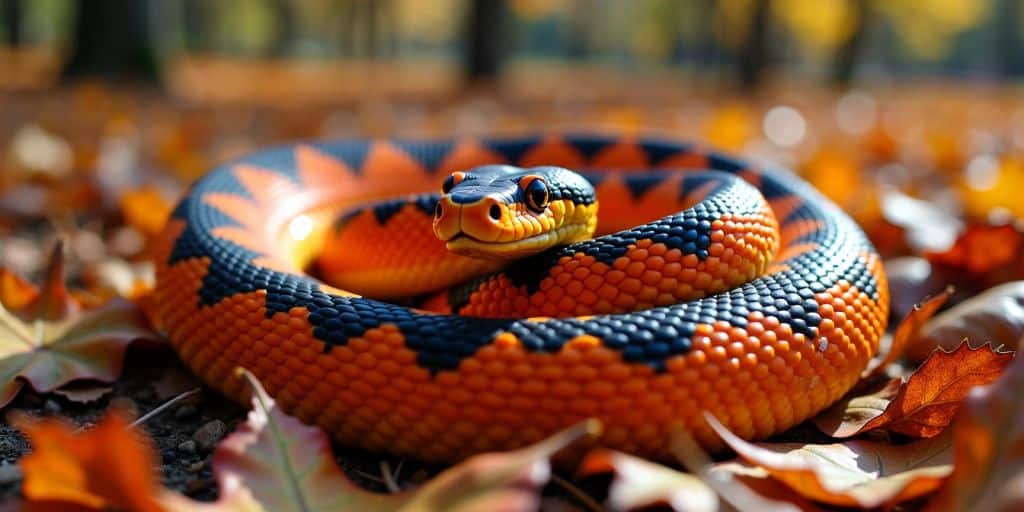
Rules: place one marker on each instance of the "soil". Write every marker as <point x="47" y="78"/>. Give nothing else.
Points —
<point x="152" y="376"/>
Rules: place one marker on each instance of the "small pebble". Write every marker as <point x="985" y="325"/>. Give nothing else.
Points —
<point x="196" y="467"/>
<point x="9" y="473"/>
<point x="168" y="456"/>
<point x="187" y="446"/>
<point x="207" y="436"/>
<point x="52" y="406"/>
<point x="185" y="411"/>
<point x="125" y="404"/>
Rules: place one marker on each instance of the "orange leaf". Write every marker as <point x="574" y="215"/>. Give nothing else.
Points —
<point x="852" y="474"/>
<point x="15" y="291"/>
<point x="908" y="330"/>
<point x="50" y="341"/>
<point x="988" y="438"/>
<point x="995" y="316"/>
<point x="925" y="404"/>
<point x="110" y="466"/>
<point x="983" y="249"/>
<point x="145" y="209"/>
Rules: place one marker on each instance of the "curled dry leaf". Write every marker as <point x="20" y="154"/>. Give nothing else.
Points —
<point x="982" y="250"/>
<point x="923" y="405"/>
<point x="908" y="330"/>
<point x="995" y="316"/>
<point x="107" y="467"/>
<point x="639" y="483"/>
<point x="988" y="438"/>
<point x="274" y="462"/>
<point x="852" y="474"/>
<point x="50" y="341"/>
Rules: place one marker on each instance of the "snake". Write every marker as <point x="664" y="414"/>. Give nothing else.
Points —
<point x="438" y="299"/>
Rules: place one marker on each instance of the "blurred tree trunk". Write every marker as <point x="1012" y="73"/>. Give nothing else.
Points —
<point x="285" y="25"/>
<point x="753" y="55"/>
<point x="1008" y="39"/>
<point x="10" y="15"/>
<point x="849" y="53"/>
<point x="486" y="40"/>
<point x="111" y="37"/>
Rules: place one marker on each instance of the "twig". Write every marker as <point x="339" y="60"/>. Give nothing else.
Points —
<point x="588" y="502"/>
<point x="164" y="406"/>
<point x="391" y="479"/>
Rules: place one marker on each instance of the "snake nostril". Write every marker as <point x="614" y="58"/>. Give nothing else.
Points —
<point x="437" y="210"/>
<point x="495" y="212"/>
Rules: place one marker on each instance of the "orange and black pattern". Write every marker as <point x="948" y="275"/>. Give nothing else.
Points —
<point x="761" y="356"/>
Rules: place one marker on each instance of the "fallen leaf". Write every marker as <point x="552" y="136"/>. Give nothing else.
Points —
<point x="737" y="480"/>
<point x="993" y="254"/>
<point x="926" y="403"/>
<point x="988" y="440"/>
<point x="84" y="394"/>
<point x="741" y="491"/>
<point x="995" y="316"/>
<point x="639" y="483"/>
<point x="856" y="473"/>
<point x="73" y="471"/>
<point x="908" y="330"/>
<point x="146" y="209"/>
<point x="274" y="462"/>
<point x="51" y="341"/>
<point x="15" y="291"/>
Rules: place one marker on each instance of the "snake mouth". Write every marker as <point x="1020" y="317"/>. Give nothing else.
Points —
<point x="465" y="245"/>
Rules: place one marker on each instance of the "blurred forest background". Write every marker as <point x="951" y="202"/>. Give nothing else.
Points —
<point x="900" y="110"/>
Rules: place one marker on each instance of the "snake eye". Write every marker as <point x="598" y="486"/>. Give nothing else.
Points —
<point x="536" y="191"/>
<point x="453" y="179"/>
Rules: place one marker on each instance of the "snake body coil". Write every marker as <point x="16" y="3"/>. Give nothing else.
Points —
<point x="761" y="356"/>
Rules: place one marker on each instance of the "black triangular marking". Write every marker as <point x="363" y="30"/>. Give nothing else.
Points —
<point x="641" y="183"/>
<point x="658" y="151"/>
<point x="351" y="153"/>
<point x="590" y="146"/>
<point x="512" y="150"/>
<point x="429" y="154"/>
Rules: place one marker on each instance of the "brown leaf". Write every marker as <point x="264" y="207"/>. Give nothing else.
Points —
<point x="639" y="483"/>
<point x="84" y="394"/>
<point x="851" y="474"/>
<point x="983" y="249"/>
<point x="995" y="316"/>
<point x="926" y="403"/>
<point x="107" y="467"/>
<point x="988" y="438"/>
<point x="908" y="330"/>
<point x="50" y="341"/>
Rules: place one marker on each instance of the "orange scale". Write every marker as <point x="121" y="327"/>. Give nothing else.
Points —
<point x="505" y="386"/>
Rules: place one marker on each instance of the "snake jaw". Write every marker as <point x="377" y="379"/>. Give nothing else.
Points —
<point x="465" y="245"/>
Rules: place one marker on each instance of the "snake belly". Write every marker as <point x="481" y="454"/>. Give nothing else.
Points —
<point x="761" y="357"/>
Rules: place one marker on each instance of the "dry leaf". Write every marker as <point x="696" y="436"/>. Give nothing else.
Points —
<point x="983" y="249"/>
<point x="107" y="467"/>
<point x="908" y="330"/>
<point x="852" y="474"/>
<point x="84" y="394"/>
<point x="926" y="403"/>
<point x="639" y="483"/>
<point x="145" y="209"/>
<point x="274" y="462"/>
<point x="988" y="438"/>
<point x="50" y="341"/>
<point x="995" y="316"/>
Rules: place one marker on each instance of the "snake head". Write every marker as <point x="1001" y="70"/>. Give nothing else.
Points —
<point x="506" y="212"/>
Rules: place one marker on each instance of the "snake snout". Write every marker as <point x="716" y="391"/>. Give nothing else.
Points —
<point x="482" y="220"/>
